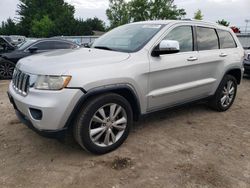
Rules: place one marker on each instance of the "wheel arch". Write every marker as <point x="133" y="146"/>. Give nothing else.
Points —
<point x="235" y="72"/>
<point x="124" y="90"/>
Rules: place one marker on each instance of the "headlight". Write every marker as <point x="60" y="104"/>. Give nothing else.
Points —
<point x="51" y="82"/>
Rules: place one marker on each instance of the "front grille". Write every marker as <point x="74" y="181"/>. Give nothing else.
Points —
<point x="20" y="82"/>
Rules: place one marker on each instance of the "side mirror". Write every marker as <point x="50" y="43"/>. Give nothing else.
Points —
<point x="86" y="45"/>
<point x="166" y="47"/>
<point x="33" y="49"/>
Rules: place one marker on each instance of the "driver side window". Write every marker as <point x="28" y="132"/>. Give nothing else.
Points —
<point x="184" y="35"/>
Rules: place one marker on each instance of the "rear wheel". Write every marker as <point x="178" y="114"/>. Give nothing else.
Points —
<point x="225" y="94"/>
<point x="6" y="69"/>
<point x="103" y="123"/>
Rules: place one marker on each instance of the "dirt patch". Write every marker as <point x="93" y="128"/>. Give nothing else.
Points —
<point x="204" y="175"/>
<point x="120" y="163"/>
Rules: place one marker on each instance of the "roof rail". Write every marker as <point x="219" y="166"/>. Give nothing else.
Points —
<point x="202" y="21"/>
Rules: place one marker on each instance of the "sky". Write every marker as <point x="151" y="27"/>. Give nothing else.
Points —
<point x="234" y="11"/>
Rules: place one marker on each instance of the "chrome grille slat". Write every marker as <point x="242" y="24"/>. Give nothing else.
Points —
<point x="20" y="82"/>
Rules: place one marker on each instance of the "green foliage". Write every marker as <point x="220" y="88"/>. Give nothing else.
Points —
<point x="165" y="9"/>
<point x="118" y="13"/>
<point x="122" y="12"/>
<point x="96" y="24"/>
<point x="223" y="22"/>
<point x="46" y="18"/>
<point x="43" y="27"/>
<point x="198" y="15"/>
<point x="139" y="10"/>
<point x="9" y="28"/>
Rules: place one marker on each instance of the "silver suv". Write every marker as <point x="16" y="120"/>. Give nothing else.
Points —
<point x="130" y="71"/>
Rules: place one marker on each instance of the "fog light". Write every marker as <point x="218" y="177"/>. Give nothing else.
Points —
<point x="36" y="114"/>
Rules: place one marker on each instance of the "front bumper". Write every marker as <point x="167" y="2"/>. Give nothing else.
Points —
<point x="55" y="107"/>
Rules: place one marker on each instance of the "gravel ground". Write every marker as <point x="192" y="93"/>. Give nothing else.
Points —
<point x="192" y="146"/>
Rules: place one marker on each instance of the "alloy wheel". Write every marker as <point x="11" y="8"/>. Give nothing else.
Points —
<point x="228" y="94"/>
<point x="108" y="125"/>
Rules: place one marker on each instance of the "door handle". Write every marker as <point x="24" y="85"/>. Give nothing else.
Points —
<point x="223" y="55"/>
<point x="192" y="59"/>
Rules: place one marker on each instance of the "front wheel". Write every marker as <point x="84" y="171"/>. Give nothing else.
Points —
<point x="103" y="123"/>
<point x="225" y="94"/>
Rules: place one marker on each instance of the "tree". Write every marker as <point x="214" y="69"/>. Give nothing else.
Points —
<point x="96" y="24"/>
<point x="139" y="10"/>
<point x="43" y="27"/>
<point x="164" y="9"/>
<point x="198" y="15"/>
<point x="117" y="13"/>
<point x="122" y="12"/>
<point x="58" y="11"/>
<point x="235" y="29"/>
<point x="223" y="22"/>
<point x="9" y="28"/>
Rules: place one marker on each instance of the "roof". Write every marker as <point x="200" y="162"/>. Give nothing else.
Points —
<point x="182" y="21"/>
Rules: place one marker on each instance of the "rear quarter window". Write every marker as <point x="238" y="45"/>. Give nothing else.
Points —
<point x="226" y="39"/>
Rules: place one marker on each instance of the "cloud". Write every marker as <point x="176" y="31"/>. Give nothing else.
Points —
<point x="89" y="4"/>
<point x="234" y="11"/>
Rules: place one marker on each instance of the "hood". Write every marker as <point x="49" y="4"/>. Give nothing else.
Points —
<point x="14" y="53"/>
<point x="61" y="61"/>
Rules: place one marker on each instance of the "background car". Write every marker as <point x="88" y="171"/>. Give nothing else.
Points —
<point x="5" y="45"/>
<point x="245" y="41"/>
<point x="30" y="47"/>
<point x="247" y="61"/>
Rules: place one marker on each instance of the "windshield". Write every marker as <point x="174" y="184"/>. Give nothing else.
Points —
<point x="127" y="38"/>
<point x="25" y="44"/>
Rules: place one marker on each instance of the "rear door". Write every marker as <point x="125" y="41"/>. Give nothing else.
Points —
<point x="229" y="53"/>
<point x="211" y="63"/>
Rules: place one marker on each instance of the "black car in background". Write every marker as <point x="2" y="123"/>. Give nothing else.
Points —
<point x="5" y="45"/>
<point x="30" y="47"/>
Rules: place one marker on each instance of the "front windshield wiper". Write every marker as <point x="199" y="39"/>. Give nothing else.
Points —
<point x="104" y="48"/>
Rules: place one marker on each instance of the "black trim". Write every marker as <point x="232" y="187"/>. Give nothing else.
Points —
<point x="80" y="88"/>
<point x="216" y="30"/>
<point x="45" y="133"/>
<point x="96" y="91"/>
<point x="178" y="105"/>
<point x="195" y="43"/>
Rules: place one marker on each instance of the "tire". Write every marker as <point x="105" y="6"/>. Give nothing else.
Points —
<point x="6" y="69"/>
<point x="95" y="115"/>
<point x="225" y="94"/>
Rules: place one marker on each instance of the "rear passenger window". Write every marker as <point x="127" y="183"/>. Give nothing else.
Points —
<point x="226" y="39"/>
<point x="184" y="35"/>
<point x="207" y="39"/>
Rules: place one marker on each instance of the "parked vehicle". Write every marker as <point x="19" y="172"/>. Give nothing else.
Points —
<point x="17" y="39"/>
<point x="5" y="45"/>
<point x="130" y="71"/>
<point x="245" y="41"/>
<point x="30" y="47"/>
